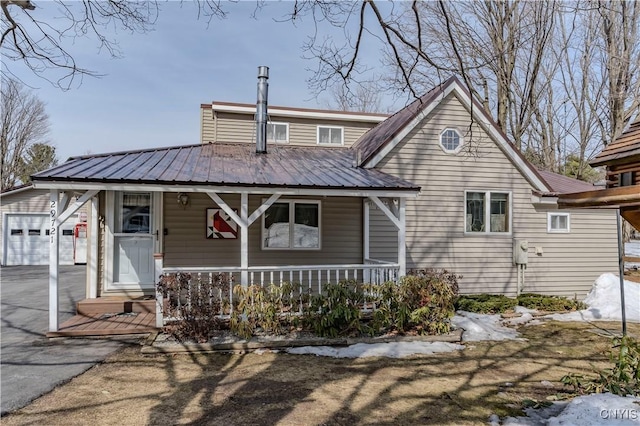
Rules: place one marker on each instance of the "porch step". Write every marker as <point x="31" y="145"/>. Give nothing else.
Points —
<point x="104" y="305"/>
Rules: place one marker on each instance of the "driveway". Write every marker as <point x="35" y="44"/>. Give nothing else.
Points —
<point x="31" y="364"/>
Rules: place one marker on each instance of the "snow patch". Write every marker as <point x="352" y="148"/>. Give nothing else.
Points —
<point x="479" y="327"/>
<point x="603" y="302"/>
<point x="389" y="350"/>
<point x="588" y="410"/>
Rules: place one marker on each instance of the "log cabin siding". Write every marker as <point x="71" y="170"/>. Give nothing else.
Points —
<point x="435" y="220"/>
<point x="186" y="244"/>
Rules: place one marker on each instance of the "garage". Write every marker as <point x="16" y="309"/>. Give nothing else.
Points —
<point x="26" y="240"/>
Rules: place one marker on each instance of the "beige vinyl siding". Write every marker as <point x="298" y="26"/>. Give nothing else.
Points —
<point x="383" y="236"/>
<point x="238" y="127"/>
<point x="435" y="220"/>
<point x="186" y="244"/>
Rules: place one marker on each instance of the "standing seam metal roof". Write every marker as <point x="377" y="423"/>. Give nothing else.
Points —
<point x="230" y="164"/>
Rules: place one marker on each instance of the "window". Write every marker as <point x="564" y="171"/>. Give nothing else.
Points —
<point x="495" y="206"/>
<point x="451" y="141"/>
<point x="558" y="222"/>
<point x="133" y="213"/>
<point x="67" y="232"/>
<point x="627" y="178"/>
<point x="293" y="225"/>
<point x="33" y="232"/>
<point x="16" y="232"/>
<point x="278" y="132"/>
<point x="330" y="135"/>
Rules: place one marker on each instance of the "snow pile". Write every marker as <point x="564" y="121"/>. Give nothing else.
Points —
<point x="389" y="350"/>
<point x="595" y="409"/>
<point x="603" y="302"/>
<point x="479" y="327"/>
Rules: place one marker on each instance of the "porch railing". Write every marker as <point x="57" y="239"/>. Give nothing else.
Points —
<point x="217" y="283"/>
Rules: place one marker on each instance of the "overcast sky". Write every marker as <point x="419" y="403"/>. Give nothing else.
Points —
<point x="151" y="97"/>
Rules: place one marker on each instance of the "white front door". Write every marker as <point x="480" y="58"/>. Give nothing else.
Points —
<point x="133" y="238"/>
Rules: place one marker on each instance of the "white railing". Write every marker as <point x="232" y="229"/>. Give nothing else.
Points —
<point x="215" y="285"/>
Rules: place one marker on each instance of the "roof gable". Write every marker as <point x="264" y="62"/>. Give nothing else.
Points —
<point x="378" y="142"/>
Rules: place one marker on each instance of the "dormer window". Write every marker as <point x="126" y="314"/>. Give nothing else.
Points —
<point x="278" y="132"/>
<point x="451" y="141"/>
<point x="330" y="135"/>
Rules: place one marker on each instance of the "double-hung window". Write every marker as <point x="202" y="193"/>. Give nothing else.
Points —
<point x="292" y="225"/>
<point x="278" y="132"/>
<point x="330" y="135"/>
<point x="558" y="222"/>
<point x="487" y="212"/>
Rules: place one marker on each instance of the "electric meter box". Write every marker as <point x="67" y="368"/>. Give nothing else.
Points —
<point x="520" y="252"/>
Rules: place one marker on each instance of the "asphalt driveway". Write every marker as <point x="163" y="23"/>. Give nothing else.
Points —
<point x="31" y="364"/>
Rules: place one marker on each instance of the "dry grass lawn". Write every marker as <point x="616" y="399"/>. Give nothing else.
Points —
<point x="463" y="387"/>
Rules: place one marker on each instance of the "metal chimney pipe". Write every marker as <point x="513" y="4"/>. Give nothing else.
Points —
<point x="261" y="110"/>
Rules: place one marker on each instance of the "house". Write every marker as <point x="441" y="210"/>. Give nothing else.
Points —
<point x="24" y="229"/>
<point x="622" y="160"/>
<point x="332" y="197"/>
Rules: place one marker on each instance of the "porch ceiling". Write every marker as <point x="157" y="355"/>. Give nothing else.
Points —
<point x="224" y="165"/>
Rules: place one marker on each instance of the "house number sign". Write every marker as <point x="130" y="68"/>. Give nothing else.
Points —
<point x="52" y="230"/>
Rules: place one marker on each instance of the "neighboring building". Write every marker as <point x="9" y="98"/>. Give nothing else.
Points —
<point x="622" y="159"/>
<point x="426" y="187"/>
<point x="24" y="230"/>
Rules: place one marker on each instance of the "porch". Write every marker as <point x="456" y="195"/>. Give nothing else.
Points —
<point x="215" y="286"/>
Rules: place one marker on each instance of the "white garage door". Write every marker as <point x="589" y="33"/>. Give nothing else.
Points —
<point x="27" y="240"/>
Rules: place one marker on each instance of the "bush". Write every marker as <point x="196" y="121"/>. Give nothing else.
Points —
<point x="195" y="304"/>
<point x="337" y="312"/>
<point x="485" y="303"/>
<point x="622" y="379"/>
<point x="549" y="303"/>
<point x="262" y="308"/>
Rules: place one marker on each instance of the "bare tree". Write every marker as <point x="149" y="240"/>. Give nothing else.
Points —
<point x="25" y="124"/>
<point x="364" y="97"/>
<point x="620" y="36"/>
<point x="43" y="42"/>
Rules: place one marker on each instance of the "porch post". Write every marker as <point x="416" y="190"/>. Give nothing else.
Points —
<point x="54" y="227"/>
<point x="244" y="239"/>
<point x="402" y="236"/>
<point x="365" y="243"/>
<point x="93" y="249"/>
<point x="158" y="263"/>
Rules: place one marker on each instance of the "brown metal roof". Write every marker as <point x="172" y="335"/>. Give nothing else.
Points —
<point x="229" y="165"/>
<point x="375" y="139"/>
<point x="560" y="184"/>
<point x="625" y="149"/>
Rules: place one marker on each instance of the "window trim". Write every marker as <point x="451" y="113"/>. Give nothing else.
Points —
<point x="451" y="151"/>
<point x="292" y="202"/>
<point x="558" y="231"/>
<point x="329" y="127"/>
<point x="487" y="212"/>
<point x="279" y="123"/>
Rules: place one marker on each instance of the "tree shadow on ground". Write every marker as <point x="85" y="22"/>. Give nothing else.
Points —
<point x="462" y="387"/>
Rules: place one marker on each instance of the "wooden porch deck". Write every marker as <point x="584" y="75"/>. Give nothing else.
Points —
<point x="109" y="316"/>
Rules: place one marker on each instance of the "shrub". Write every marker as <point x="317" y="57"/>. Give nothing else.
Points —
<point x="262" y="308"/>
<point x="622" y="379"/>
<point x="195" y="303"/>
<point x="485" y="303"/>
<point x="337" y="312"/>
<point x="549" y="303"/>
<point x="423" y="300"/>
